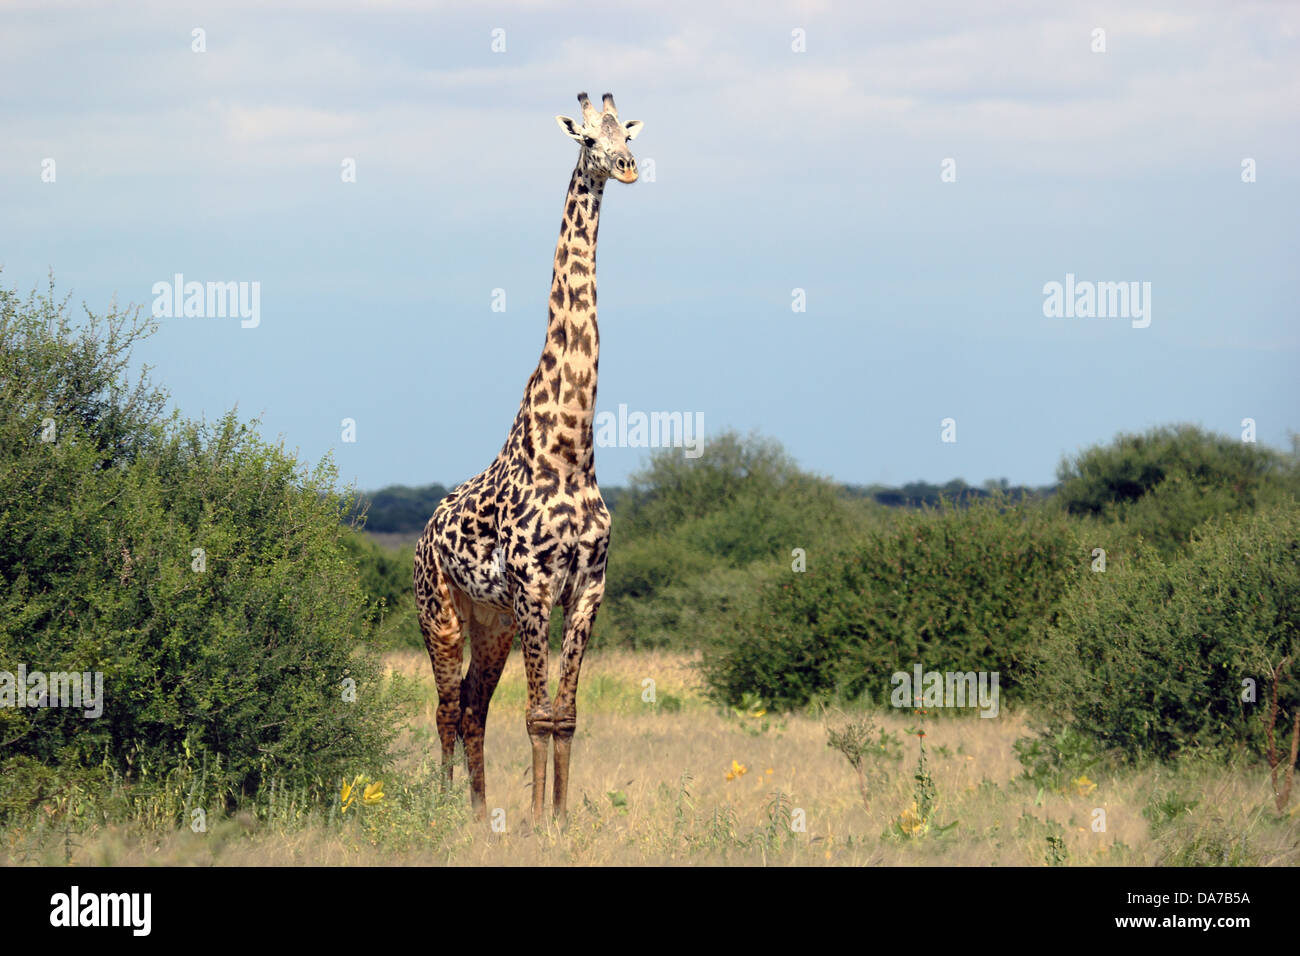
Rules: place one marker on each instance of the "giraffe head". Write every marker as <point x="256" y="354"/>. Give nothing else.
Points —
<point x="604" y="139"/>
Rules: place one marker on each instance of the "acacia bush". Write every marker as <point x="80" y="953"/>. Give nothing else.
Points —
<point x="954" y="589"/>
<point x="1157" y="486"/>
<point x="1149" y="660"/>
<point x="200" y="570"/>
<point x="385" y="574"/>
<point x="692" y="539"/>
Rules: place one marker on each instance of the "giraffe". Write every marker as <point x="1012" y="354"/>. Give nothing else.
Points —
<point x="531" y="529"/>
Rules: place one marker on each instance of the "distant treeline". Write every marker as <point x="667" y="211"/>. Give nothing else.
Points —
<point x="915" y="494"/>
<point x="400" y="509"/>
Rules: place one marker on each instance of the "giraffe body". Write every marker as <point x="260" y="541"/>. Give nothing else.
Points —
<point x="531" y="530"/>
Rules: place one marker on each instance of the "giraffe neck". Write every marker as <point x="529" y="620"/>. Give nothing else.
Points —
<point x="560" y="400"/>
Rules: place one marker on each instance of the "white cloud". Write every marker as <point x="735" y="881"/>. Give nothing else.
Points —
<point x="282" y="87"/>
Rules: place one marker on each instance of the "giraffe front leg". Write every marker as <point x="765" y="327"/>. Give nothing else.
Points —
<point x="491" y="632"/>
<point x="533" y="620"/>
<point x="579" y="618"/>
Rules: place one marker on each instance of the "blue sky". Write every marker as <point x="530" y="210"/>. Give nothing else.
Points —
<point x="774" y="170"/>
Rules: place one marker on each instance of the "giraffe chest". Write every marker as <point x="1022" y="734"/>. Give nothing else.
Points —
<point x="495" y="546"/>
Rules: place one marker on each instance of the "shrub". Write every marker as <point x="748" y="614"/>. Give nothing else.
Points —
<point x="385" y="579"/>
<point x="672" y="489"/>
<point x="1165" y="482"/>
<point x="1150" y="659"/>
<point x="953" y="589"/>
<point x="694" y="536"/>
<point x="238" y="650"/>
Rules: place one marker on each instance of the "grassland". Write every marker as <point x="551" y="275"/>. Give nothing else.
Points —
<point x="650" y="786"/>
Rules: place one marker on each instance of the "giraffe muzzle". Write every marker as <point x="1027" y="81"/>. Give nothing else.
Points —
<point x="625" y="170"/>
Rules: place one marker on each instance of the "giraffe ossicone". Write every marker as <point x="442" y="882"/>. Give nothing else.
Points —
<point x="531" y="530"/>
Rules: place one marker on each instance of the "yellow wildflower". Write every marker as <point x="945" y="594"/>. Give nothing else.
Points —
<point x="910" y="821"/>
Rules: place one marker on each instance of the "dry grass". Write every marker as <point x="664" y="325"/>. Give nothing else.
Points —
<point x="667" y="773"/>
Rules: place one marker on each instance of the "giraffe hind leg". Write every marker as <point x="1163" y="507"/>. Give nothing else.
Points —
<point x="440" y="623"/>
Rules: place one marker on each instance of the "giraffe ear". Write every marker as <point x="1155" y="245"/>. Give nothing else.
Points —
<point x="632" y="128"/>
<point x="573" y="131"/>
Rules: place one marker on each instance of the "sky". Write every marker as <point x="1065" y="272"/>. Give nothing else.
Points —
<point x="846" y="223"/>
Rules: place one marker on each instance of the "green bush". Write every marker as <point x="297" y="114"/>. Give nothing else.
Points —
<point x="237" y="651"/>
<point x="1160" y="485"/>
<point x="385" y="575"/>
<point x="642" y="565"/>
<point x="1149" y="660"/>
<point x="952" y="589"/>
<point x="672" y="489"/>
<point x="692" y="538"/>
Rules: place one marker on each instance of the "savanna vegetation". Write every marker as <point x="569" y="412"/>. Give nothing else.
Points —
<point x="266" y="696"/>
<point x="204" y="573"/>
